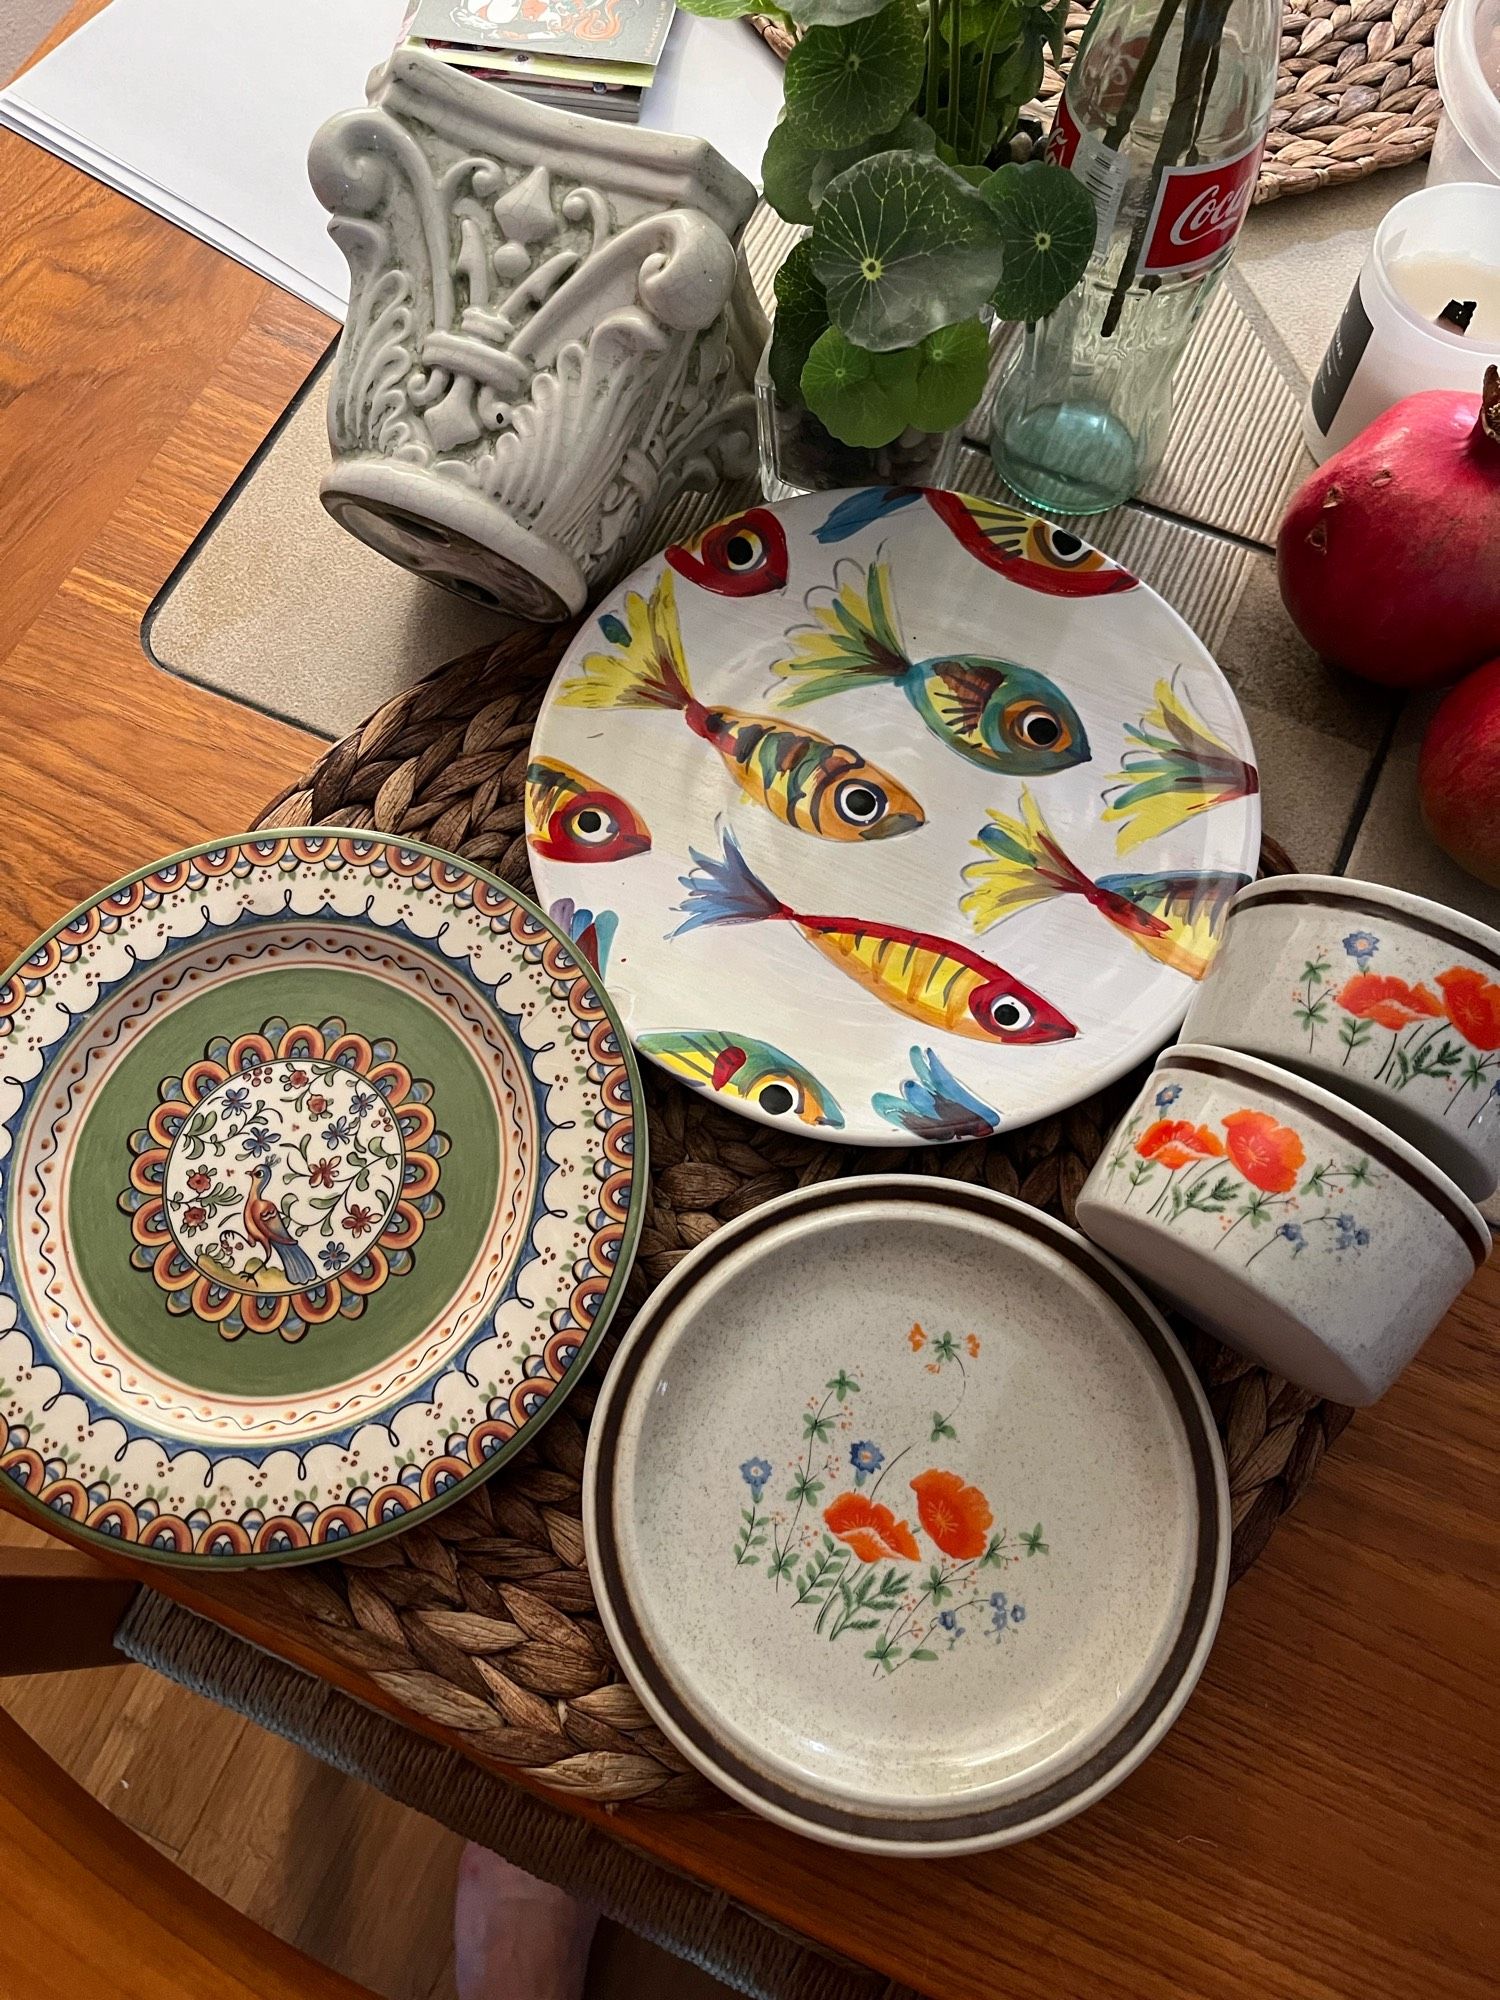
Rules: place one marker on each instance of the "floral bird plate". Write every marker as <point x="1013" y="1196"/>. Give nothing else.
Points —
<point x="896" y="814"/>
<point x="906" y="1515"/>
<point x="320" y="1177"/>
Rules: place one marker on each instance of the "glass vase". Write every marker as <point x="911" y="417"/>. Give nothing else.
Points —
<point x="1081" y="420"/>
<point x="798" y="455"/>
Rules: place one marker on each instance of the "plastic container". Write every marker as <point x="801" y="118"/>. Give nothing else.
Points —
<point x="1467" y="146"/>
<point x="1383" y="348"/>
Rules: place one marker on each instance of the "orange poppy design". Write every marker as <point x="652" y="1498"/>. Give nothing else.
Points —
<point x="872" y="1531"/>
<point x="957" y="1517"/>
<point x="1389" y="1002"/>
<point x="971" y="1342"/>
<point x="1267" y="1154"/>
<point x="916" y="1339"/>
<point x="1473" y="1005"/>
<point x="1174" y="1142"/>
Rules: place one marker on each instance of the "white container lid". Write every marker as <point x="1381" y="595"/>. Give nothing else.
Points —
<point x="1468" y="74"/>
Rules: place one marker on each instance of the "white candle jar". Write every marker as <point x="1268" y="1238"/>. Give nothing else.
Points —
<point x="550" y="334"/>
<point x="1384" y="347"/>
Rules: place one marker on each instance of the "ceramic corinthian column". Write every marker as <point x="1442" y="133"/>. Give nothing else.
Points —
<point x="550" y="334"/>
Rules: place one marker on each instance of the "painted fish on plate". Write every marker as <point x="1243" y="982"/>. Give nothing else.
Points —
<point x="571" y="818"/>
<point x="940" y="984"/>
<point x="933" y="1104"/>
<point x="593" y="931"/>
<point x="745" y="556"/>
<point x="1038" y="554"/>
<point x="1174" y="916"/>
<point x="745" y="1069"/>
<point x="1174" y="769"/>
<point x="994" y="712"/>
<point x="808" y="781"/>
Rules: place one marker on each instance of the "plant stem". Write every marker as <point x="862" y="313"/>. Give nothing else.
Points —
<point x="955" y="68"/>
<point x="1135" y="90"/>
<point x="886" y="1468"/>
<point x="986" y="64"/>
<point x="934" y="52"/>
<point x="1201" y="33"/>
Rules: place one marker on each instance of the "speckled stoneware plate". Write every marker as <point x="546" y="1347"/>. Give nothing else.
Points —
<point x="906" y="1516"/>
<point x="898" y="814"/>
<point x="317" y="1187"/>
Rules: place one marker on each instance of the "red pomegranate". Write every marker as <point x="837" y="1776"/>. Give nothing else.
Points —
<point x="1389" y="556"/>
<point x="1459" y="775"/>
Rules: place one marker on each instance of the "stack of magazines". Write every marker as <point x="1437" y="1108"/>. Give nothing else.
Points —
<point x="594" y="56"/>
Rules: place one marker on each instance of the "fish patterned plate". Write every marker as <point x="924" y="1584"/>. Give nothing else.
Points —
<point x="320" y="1177"/>
<point x="893" y="814"/>
<point x="906" y="1516"/>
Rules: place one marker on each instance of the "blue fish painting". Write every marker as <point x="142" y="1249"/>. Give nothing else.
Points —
<point x="934" y="1105"/>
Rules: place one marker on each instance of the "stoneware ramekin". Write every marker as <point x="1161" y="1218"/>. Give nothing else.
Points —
<point x="1293" y="1225"/>
<point x="1388" y="999"/>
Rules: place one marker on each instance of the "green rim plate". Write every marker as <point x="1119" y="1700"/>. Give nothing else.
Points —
<point x="321" y="1173"/>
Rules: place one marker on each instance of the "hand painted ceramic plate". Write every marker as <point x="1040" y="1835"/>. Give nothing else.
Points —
<point x="906" y="1516"/>
<point x="320" y="1176"/>
<point x="901" y="815"/>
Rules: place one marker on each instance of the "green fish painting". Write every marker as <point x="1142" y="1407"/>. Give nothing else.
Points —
<point x="755" y="1074"/>
<point x="999" y="715"/>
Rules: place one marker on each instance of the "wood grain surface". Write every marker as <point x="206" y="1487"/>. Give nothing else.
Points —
<point x="86" y="1907"/>
<point x="1319" y="1826"/>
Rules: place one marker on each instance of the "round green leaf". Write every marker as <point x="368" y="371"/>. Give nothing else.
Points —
<point x="786" y="172"/>
<point x="839" y="386"/>
<point x="719" y="10"/>
<point x="903" y="245"/>
<point x="1047" y="225"/>
<point x="943" y="378"/>
<point x="842" y="84"/>
<point x="830" y="13"/>
<point x="801" y="315"/>
<point x="912" y="135"/>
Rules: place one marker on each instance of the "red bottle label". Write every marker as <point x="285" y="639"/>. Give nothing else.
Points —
<point x="1062" y="143"/>
<point x="1199" y="210"/>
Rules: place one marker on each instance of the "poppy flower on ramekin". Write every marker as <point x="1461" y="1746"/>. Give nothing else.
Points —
<point x="873" y="1532"/>
<point x="1173" y="1141"/>
<point x="1269" y="1155"/>
<point x="1388" y="1002"/>
<point x="1473" y="1005"/>
<point x="957" y="1517"/>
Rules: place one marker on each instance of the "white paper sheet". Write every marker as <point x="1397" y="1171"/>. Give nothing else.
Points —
<point x="204" y="113"/>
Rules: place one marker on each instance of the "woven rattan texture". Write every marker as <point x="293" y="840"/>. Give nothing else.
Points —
<point x="484" y="1622"/>
<point x="1356" y="90"/>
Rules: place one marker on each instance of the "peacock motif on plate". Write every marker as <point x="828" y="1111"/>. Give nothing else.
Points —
<point x="284" y="1179"/>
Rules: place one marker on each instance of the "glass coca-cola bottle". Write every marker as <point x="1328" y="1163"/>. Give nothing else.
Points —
<point x="1163" y="118"/>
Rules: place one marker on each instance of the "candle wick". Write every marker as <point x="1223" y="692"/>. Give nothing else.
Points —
<point x="1457" y="314"/>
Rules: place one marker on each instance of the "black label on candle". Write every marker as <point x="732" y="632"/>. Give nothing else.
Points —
<point x="1350" y="339"/>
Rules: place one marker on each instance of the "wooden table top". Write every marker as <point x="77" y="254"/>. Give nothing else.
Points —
<point x="1320" y="1824"/>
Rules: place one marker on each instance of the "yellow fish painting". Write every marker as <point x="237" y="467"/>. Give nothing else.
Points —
<point x="1174" y="917"/>
<point x="808" y="781"/>
<point x="940" y="984"/>
<point x="1174" y="769"/>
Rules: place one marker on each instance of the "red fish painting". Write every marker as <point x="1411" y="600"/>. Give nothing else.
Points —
<point x="745" y="556"/>
<point x="940" y="984"/>
<point x="571" y="818"/>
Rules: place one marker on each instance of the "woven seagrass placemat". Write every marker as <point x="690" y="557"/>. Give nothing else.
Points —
<point x="484" y="1622"/>
<point x="1356" y="91"/>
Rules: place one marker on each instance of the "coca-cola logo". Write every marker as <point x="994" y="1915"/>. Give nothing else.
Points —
<point x="1216" y="210"/>
<point x="1199" y="211"/>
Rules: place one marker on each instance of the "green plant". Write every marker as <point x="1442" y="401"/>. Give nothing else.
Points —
<point x="892" y="149"/>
